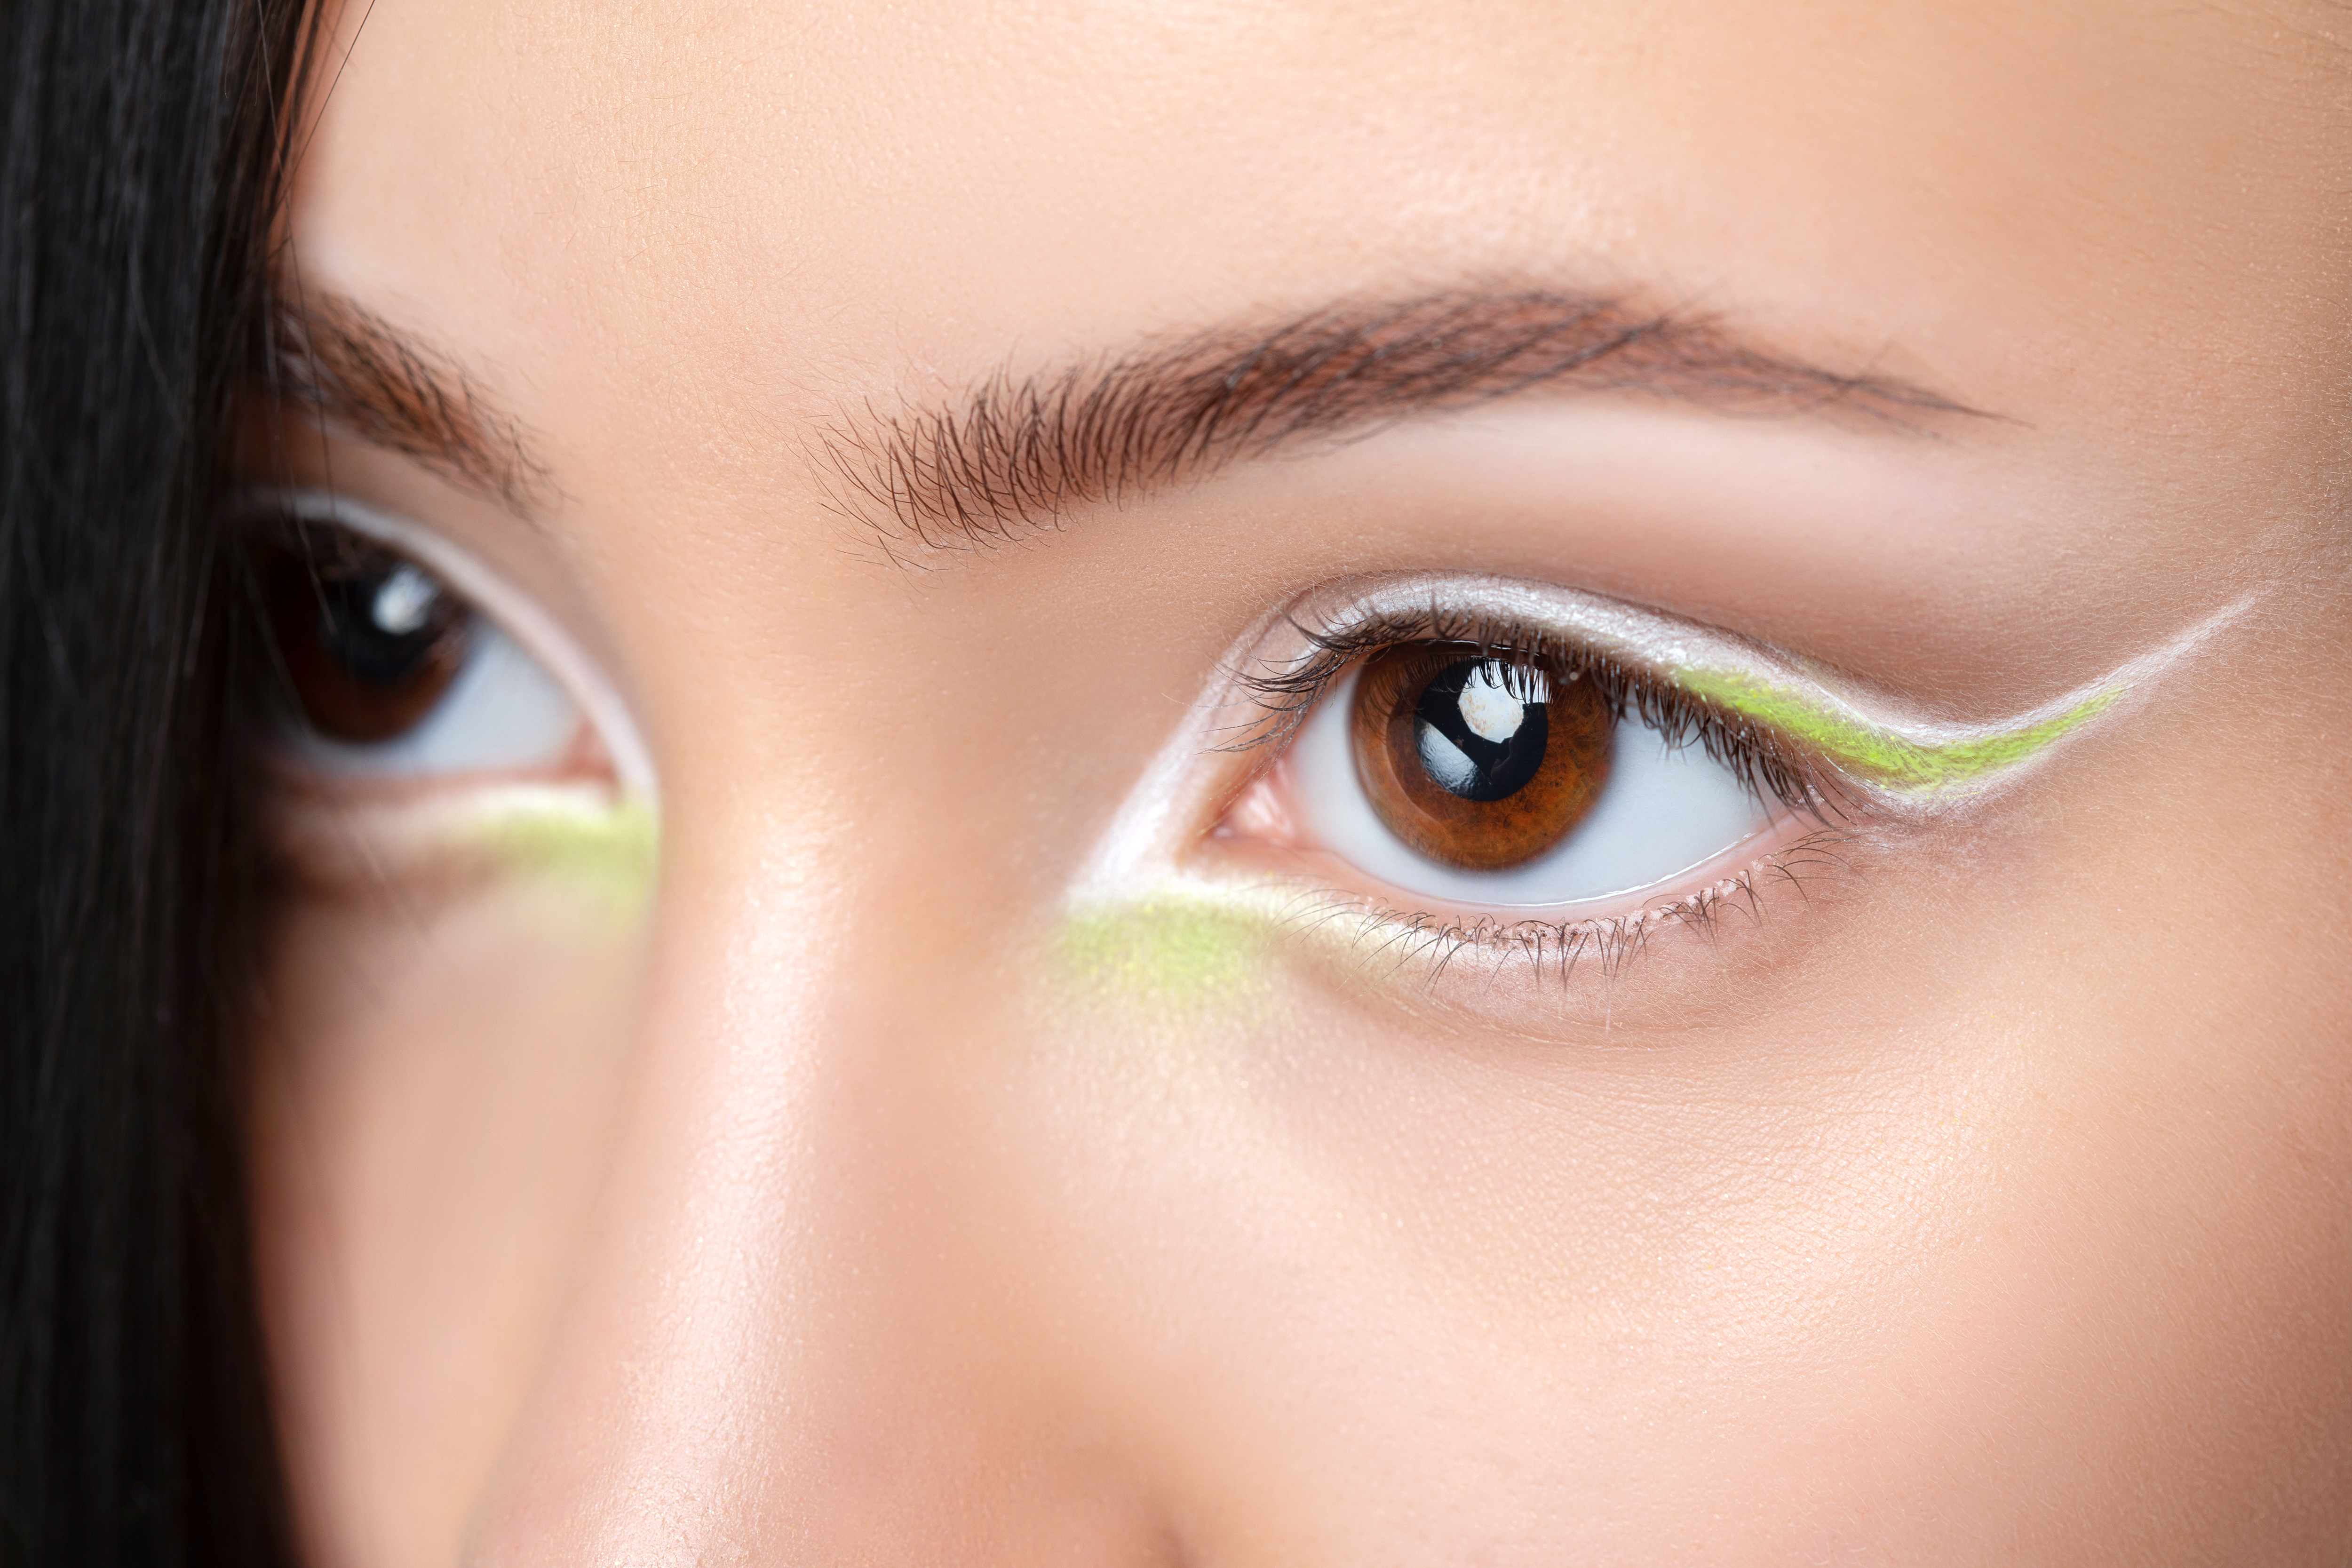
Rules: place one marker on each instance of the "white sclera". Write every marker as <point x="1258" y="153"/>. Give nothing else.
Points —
<point x="504" y="713"/>
<point x="1665" y="811"/>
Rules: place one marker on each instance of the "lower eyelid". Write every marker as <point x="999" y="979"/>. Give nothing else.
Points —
<point x="1264" y="838"/>
<point x="1484" y="960"/>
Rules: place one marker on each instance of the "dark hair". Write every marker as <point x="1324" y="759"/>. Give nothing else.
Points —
<point x="139" y="184"/>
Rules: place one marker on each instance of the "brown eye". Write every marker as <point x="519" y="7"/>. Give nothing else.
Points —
<point x="1477" y="763"/>
<point x="370" y="640"/>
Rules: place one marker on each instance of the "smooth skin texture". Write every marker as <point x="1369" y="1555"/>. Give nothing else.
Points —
<point x="1990" y="1204"/>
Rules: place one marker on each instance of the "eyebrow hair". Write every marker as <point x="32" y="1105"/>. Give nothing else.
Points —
<point x="1019" y="453"/>
<point x="396" y="390"/>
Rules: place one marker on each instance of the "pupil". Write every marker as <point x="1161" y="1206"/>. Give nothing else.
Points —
<point x="1481" y="726"/>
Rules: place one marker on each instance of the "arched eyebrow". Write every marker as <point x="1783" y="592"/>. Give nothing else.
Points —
<point x="1017" y="454"/>
<point x="1020" y="453"/>
<point x="396" y="390"/>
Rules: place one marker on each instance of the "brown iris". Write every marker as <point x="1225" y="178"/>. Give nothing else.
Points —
<point x="369" y="640"/>
<point x="1478" y="762"/>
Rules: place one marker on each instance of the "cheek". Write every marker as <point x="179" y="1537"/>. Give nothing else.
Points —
<point x="1328" y="1272"/>
<point x="438" y="1081"/>
<point x="1781" y="1297"/>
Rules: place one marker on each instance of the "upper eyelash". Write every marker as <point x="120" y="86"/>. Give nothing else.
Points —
<point x="1771" y="765"/>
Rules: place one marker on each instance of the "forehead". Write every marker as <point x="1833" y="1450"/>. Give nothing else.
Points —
<point x="1958" y="181"/>
<point x="683" y="241"/>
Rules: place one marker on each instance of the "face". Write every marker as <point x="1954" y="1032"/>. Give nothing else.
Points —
<point x="1313" y="782"/>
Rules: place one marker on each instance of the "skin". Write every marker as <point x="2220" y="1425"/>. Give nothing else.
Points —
<point x="864" y="1198"/>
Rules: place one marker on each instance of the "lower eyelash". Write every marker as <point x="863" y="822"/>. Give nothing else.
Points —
<point x="1558" y="949"/>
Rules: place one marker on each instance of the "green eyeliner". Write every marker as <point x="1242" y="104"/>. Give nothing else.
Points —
<point x="1881" y="755"/>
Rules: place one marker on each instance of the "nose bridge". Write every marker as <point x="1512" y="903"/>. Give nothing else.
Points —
<point x="800" y="1334"/>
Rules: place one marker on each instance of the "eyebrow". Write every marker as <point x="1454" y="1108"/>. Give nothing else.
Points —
<point x="396" y="390"/>
<point x="1017" y="454"/>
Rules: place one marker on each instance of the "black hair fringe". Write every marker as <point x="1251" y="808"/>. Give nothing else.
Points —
<point x="139" y="174"/>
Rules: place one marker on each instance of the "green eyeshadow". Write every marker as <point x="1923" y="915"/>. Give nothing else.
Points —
<point x="1881" y="755"/>
<point x="1166" y="950"/>
<point x="608" y="851"/>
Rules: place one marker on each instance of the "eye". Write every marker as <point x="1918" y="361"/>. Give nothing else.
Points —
<point x="1474" y="762"/>
<point x="391" y="672"/>
<point x="371" y="643"/>
<point x="1494" y="779"/>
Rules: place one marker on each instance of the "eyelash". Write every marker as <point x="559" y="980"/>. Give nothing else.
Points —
<point x="1556" y="948"/>
<point x="1776" y="768"/>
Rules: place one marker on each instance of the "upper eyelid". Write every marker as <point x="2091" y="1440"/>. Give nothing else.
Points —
<point x="1898" y="758"/>
<point x="538" y="632"/>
